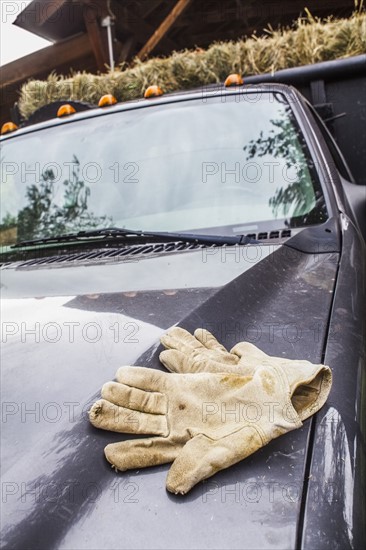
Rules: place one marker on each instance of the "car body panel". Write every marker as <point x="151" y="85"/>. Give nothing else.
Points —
<point x="58" y="486"/>
<point x="335" y="512"/>
<point x="302" y="299"/>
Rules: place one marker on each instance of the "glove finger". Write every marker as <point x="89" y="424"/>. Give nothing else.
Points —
<point x="133" y="398"/>
<point x="208" y="340"/>
<point x="143" y="378"/>
<point x="141" y="453"/>
<point x="177" y="361"/>
<point x="247" y="351"/>
<point x="202" y="457"/>
<point x="107" y="416"/>
<point x="181" y="340"/>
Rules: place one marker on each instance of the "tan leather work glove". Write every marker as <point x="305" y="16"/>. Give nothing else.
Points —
<point x="203" y="353"/>
<point x="204" y="421"/>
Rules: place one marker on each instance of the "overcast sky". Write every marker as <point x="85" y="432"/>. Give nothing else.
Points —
<point x="16" y="42"/>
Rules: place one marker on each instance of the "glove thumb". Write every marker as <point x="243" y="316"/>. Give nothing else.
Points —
<point x="203" y="456"/>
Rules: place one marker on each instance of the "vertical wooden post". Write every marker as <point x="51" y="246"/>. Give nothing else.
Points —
<point x="96" y="36"/>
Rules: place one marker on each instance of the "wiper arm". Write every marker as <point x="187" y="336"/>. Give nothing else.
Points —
<point x="200" y="239"/>
<point x="113" y="233"/>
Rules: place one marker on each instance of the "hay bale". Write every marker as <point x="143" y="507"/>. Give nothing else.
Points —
<point x="309" y="40"/>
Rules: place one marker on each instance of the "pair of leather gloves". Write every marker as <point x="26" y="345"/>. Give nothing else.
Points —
<point x="215" y="409"/>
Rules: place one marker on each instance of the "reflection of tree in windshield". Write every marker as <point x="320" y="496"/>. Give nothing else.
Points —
<point x="8" y="229"/>
<point x="283" y="142"/>
<point x="43" y="217"/>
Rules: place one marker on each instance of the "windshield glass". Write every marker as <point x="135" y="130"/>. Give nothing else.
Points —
<point x="216" y="165"/>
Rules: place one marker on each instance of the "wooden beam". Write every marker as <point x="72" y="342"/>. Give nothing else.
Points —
<point x="152" y="6"/>
<point x="43" y="61"/>
<point x="128" y="21"/>
<point x="126" y="50"/>
<point x="48" y="10"/>
<point x="162" y="30"/>
<point x="97" y="42"/>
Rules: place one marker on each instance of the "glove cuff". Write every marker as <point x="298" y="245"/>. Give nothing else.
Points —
<point x="309" y="386"/>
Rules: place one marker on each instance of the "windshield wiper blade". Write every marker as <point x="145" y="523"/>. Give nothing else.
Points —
<point x="79" y="236"/>
<point x="112" y="233"/>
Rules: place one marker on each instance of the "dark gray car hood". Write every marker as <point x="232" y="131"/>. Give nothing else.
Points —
<point x="67" y="329"/>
